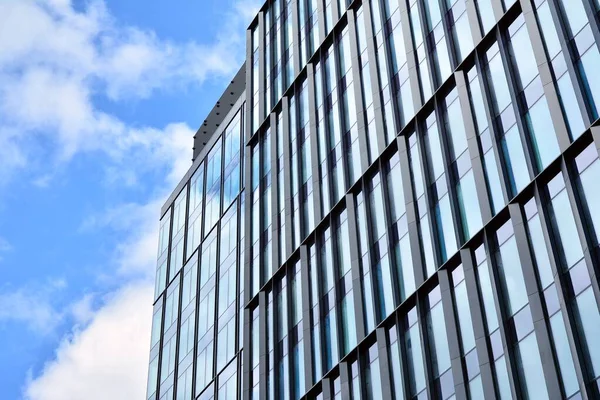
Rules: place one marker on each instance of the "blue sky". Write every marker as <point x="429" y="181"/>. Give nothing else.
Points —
<point x="99" y="101"/>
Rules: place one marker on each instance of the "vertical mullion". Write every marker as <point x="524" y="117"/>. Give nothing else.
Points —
<point x="262" y="345"/>
<point x="511" y="365"/>
<point x="374" y="72"/>
<point x="515" y="104"/>
<point x="550" y="92"/>
<point x="261" y="69"/>
<point x="296" y="35"/>
<point x="388" y="225"/>
<point x="246" y="389"/>
<point x="569" y="318"/>
<point x="478" y="322"/>
<point x="541" y="330"/>
<point x="474" y="24"/>
<point x="274" y="196"/>
<point x="447" y="160"/>
<point x="473" y="147"/>
<point x="588" y="250"/>
<point x="427" y="45"/>
<point x="357" y="277"/>
<point x="452" y="335"/>
<point x="321" y="22"/>
<point x="412" y="214"/>
<point x="411" y="56"/>
<point x="287" y="178"/>
<point x="591" y="13"/>
<point x="346" y="379"/>
<point x="568" y="52"/>
<point x="384" y="363"/>
<point x="314" y="146"/>
<point x="451" y="47"/>
<point x="249" y="90"/>
<point x="420" y="128"/>
<point x="306" y="317"/>
<point x="498" y="155"/>
<point x="356" y="86"/>
<point x="498" y="9"/>
<point x="425" y="347"/>
<point x="335" y="12"/>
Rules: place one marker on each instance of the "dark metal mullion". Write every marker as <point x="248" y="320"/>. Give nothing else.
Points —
<point x="545" y="74"/>
<point x="160" y="345"/>
<point x="338" y="104"/>
<point x="493" y="129"/>
<point x="287" y="178"/>
<point x="478" y="323"/>
<point x="421" y="128"/>
<point x="357" y="277"/>
<point x="411" y="56"/>
<point x="314" y="145"/>
<point x="526" y="141"/>
<point x="263" y="349"/>
<point x="396" y="120"/>
<point x="588" y="249"/>
<point x="306" y="316"/>
<point x="427" y="45"/>
<point x="289" y="328"/>
<point x="274" y="196"/>
<point x="511" y="364"/>
<point x="451" y="47"/>
<point x="562" y="289"/>
<point x="422" y="311"/>
<point x="296" y="42"/>
<point x="358" y="96"/>
<point x="591" y="13"/>
<point x="473" y="147"/>
<point x="383" y="170"/>
<point x="366" y="191"/>
<point x="412" y="213"/>
<point x="452" y="335"/>
<point x="261" y="69"/>
<point x="246" y="263"/>
<point x="374" y="77"/>
<point x="563" y="32"/>
<point x="541" y="330"/>
<point x="249" y="89"/>
<point x="445" y="138"/>
<point x="333" y="227"/>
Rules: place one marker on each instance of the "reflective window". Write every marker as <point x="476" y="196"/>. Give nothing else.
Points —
<point x="438" y="345"/>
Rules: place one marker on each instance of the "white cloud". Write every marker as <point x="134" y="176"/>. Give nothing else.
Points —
<point x="107" y="359"/>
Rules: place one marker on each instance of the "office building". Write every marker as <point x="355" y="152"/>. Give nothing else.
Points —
<point x="393" y="199"/>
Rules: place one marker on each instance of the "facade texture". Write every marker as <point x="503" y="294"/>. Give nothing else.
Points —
<point x="402" y="202"/>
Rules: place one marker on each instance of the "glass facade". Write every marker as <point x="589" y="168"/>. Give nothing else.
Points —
<point x="419" y="218"/>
